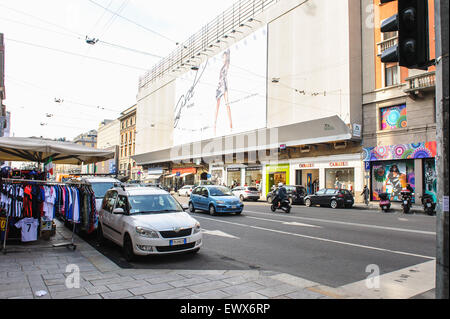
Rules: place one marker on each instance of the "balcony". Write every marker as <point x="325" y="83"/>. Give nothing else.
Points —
<point x="420" y="83"/>
<point x="386" y="44"/>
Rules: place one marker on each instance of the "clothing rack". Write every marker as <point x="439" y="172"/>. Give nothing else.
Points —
<point x="71" y="244"/>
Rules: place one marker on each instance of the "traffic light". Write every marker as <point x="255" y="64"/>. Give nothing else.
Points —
<point x="411" y="22"/>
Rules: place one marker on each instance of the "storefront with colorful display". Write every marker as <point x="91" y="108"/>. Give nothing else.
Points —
<point x="392" y="167"/>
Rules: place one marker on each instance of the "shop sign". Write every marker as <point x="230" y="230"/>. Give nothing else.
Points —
<point x="282" y="146"/>
<point x="233" y="169"/>
<point x="356" y="130"/>
<point x="338" y="164"/>
<point x="306" y="165"/>
<point x="184" y="170"/>
<point x="254" y="168"/>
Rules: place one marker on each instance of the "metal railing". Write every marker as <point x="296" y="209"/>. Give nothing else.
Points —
<point x="237" y="16"/>
<point x="386" y="44"/>
<point x="421" y="81"/>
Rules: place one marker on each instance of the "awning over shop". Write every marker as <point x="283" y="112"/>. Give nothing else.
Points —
<point x="323" y="130"/>
<point x="151" y="177"/>
<point x="170" y="176"/>
<point x="40" y="150"/>
<point x="186" y="174"/>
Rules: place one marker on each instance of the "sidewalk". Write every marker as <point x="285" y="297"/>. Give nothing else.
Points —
<point x="29" y="268"/>
<point x="395" y="207"/>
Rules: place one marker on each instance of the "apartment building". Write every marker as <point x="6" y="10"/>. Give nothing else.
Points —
<point x="399" y="122"/>
<point x="127" y="166"/>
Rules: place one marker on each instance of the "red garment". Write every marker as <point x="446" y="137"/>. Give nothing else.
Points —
<point x="41" y="205"/>
<point x="27" y="205"/>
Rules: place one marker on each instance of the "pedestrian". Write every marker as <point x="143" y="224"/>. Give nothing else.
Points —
<point x="366" y="193"/>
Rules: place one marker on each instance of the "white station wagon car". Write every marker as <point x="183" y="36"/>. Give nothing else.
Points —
<point x="147" y="221"/>
<point x="185" y="190"/>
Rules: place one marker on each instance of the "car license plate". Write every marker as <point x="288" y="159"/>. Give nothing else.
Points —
<point x="428" y="204"/>
<point x="349" y="200"/>
<point x="178" y="241"/>
<point x="233" y="207"/>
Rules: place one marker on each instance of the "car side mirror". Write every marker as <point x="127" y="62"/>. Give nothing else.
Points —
<point x="119" y="211"/>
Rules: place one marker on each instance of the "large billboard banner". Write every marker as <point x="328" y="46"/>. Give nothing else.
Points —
<point x="226" y="95"/>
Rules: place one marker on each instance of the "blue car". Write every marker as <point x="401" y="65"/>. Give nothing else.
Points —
<point x="214" y="199"/>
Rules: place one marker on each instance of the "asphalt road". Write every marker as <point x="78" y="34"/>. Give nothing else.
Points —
<point x="330" y="246"/>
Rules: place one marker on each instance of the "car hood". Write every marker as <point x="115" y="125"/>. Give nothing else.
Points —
<point x="164" y="221"/>
<point x="227" y="199"/>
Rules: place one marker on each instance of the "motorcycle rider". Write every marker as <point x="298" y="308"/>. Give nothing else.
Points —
<point x="281" y="194"/>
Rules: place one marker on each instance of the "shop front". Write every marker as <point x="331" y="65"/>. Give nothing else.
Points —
<point x="184" y="176"/>
<point x="392" y="167"/>
<point x="336" y="171"/>
<point x="253" y="176"/>
<point x="275" y="174"/>
<point x="234" y="176"/>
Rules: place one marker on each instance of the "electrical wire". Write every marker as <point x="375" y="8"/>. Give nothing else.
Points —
<point x="135" y="23"/>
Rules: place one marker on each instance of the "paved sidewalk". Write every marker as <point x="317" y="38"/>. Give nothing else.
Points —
<point x="29" y="268"/>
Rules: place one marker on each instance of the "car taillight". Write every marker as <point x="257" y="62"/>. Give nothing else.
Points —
<point x="341" y="196"/>
<point x="247" y="191"/>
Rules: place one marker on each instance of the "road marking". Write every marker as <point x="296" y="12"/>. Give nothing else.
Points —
<point x="218" y="233"/>
<point x="285" y="223"/>
<point x="400" y="284"/>
<point x="320" y="238"/>
<point x="353" y="224"/>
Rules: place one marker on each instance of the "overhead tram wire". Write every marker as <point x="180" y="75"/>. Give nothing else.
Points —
<point x="135" y="23"/>
<point x="82" y="38"/>
<point x="76" y="54"/>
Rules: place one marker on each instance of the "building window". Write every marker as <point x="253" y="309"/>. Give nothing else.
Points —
<point x="393" y="117"/>
<point x="340" y="178"/>
<point x="391" y="75"/>
<point x="389" y="35"/>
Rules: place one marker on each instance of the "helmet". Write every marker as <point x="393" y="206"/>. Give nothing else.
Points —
<point x="280" y="184"/>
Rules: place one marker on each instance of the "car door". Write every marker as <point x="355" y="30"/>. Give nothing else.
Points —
<point x="107" y="219"/>
<point x="195" y="197"/>
<point x="204" y="198"/>
<point x="330" y="193"/>
<point x="317" y="197"/>
<point x="118" y="220"/>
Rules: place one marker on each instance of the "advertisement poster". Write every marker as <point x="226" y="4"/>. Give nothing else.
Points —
<point x="392" y="177"/>
<point x="430" y="178"/>
<point x="226" y="95"/>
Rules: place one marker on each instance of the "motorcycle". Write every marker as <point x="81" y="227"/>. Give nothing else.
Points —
<point x="385" y="203"/>
<point x="428" y="204"/>
<point x="406" y="200"/>
<point x="285" y="205"/>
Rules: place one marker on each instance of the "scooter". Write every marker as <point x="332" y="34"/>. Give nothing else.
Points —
<point x="428" y="204"/>
<point x="385" y="202"/>
<point x="285" y="205"/>
<point x="406" y="200"/>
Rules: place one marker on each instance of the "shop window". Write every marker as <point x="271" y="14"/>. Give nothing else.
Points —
<point x="391" y="177"/>
<point x="234" y="178"/>
<point x="393" y="117"/>
<point x="430" y="178"/>
<point x="253" y="178"/>
<point x="340" y="178"/>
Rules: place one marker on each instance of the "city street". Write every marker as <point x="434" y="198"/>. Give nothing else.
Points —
<point x="331" y="247"/>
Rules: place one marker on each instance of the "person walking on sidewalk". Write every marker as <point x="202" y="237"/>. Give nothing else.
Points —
<point x="366" y="193"/>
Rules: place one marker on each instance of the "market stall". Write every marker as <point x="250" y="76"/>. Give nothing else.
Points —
<point x="31" y="204"/>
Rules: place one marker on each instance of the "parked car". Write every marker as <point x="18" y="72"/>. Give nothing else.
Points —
<point x="214" y="199"/>
<point x="186" y="190"/>
<point x="296" y="194"/>
<point x="100" y="185"/>
<point x="331" y="197"/>
<point x="246" y="192"/>
<point x="147" y="221"/>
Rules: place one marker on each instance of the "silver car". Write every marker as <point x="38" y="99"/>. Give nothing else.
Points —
<point x="246" y="192"/>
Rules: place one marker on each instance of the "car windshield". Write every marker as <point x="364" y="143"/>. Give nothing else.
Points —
<point x="160" y="203"/>
<point x="220" y="191"/>
<point x="252" y="189"/>
<point x="101" y="188"/>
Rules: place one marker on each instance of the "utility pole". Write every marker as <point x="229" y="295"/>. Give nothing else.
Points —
<point x="442" y="139"/>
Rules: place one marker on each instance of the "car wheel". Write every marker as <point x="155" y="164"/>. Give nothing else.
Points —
<point x="212" y="210"/>
<point x="128" y="249"/>
<point x="191" y="207"/>
<point x="334" y="204"/>
<point x="269" y="200"/>
<point x="241" y="198"/>
<point x="308" y="202"/>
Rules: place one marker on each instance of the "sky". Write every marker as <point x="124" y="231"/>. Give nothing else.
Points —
<point x="48" y="60"/>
